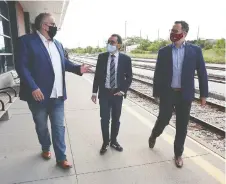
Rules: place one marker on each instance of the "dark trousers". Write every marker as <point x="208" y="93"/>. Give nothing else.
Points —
<point x="110" y="105"/>
<point x="167" y="105"/>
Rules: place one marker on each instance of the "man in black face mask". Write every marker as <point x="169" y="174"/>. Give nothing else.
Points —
<point x="173" y="84"/>
<point x="41" y="66"/>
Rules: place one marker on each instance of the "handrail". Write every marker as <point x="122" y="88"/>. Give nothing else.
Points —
<point x="3" y="105"/>
<point x="10" y="98"/>
<point x="3" y="90"/>
<point x="10" y="88"/>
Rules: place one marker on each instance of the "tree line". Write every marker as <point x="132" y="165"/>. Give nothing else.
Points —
<point x="145" y="46"/>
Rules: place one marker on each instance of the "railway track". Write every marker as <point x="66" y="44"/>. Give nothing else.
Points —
<point x="211" y="77"/>
<point x="209" y="126"/>
<point x="154" y="61"/>
<point x="211" y="94"/>
<point x="212" y="104"/>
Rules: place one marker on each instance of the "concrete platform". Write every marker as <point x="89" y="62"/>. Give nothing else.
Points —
<point x="20" y="161"/>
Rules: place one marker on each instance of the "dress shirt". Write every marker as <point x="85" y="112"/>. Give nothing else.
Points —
<point x="108" y="76"/>
<point x="178" y="59"/>
<point x="107" y="83"/>
<point x="54" y="54"/>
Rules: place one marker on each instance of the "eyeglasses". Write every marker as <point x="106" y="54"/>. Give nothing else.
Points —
<point x="174" y="31"/>
<point x="111" y="42"/>
<point x="50" y="24"/>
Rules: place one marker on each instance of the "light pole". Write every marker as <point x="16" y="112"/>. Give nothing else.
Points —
<point x="125" y="37"/>
<point x="158" y="34"/>
<point x="198" y="34"/>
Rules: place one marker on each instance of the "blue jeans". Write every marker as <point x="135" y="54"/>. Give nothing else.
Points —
<point x="55" y="111"/>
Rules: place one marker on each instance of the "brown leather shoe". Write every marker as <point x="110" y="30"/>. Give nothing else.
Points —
<point x="64" y="164"/>
<point x="46" y="155"/>
<point x="178" y="161"/>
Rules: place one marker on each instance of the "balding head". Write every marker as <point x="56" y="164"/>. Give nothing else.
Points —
<point x="45" y="24"/>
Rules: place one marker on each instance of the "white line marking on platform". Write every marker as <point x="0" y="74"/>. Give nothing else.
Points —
<point x="205" y="165"/>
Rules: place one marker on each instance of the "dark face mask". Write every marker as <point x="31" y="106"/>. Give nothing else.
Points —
<point x="52" y="31"/>
<point x="175" y="37"/>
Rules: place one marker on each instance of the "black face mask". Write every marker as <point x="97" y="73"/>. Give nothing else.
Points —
<point x="52" y="31"/>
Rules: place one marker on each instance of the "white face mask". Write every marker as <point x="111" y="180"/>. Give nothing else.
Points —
<point x="111" y="48"/>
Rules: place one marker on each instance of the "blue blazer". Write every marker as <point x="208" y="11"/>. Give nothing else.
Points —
<point x="193" y="60"/>
<point x="124" y="74"/>
<point x="34" y="67"/>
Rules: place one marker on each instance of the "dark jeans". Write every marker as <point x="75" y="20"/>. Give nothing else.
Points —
<point x="110" y="105"/>
<point x="167" y="104"/>
<point x="55" y="111"/>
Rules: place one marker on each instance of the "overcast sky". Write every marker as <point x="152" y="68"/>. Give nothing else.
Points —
<point x="91" y="22"/>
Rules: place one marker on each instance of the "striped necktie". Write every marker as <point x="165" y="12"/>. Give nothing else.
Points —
<point x="112" y="72"/>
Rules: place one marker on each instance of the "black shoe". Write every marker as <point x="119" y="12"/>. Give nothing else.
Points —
<point x="104" y="149"/>
<point x="116" y="146"/>
<point x="178" y="161"/>
<point x="152" y="141"/>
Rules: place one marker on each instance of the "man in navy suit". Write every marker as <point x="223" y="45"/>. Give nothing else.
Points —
<point x="174" y="85"/>
<point x="113" y="76"/>
<point x="41" y="66"/>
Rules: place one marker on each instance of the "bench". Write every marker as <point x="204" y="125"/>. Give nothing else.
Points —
<point x="8" y="93"/>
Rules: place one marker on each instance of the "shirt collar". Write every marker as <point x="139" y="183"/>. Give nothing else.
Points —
<point x="42" y="37"/>
<point x="182" y="46"/>
<point x="115" y="54"/>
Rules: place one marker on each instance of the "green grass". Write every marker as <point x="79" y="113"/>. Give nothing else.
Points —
<point x="214" y="56"/>
<point x="145" y="56"/>
<point x="211" y="56"/>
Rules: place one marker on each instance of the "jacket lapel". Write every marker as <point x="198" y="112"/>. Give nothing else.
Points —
<point x="43" y="49"/>
<point x="119" y="66"/>
<point x="61" y="52"/>
<point x="170" y="56"/>
<point x="186" y="54"/>
<point x="105" y="64"/>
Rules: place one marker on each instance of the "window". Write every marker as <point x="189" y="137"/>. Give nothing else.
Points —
<point x="4" y="9"/>
<point x="6" y="55"/>
<point x="6" y="63"/>
<point x="5" y="44"/>
<point x="4" y="26"/>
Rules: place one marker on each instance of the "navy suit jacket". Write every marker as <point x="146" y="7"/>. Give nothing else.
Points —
<point x="193" y="60"/>
<point x="124" y="73"/>
<point x="34" y="67"/>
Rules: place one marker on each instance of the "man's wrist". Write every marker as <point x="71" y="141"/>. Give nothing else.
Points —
<point x="94" y="94"/>
<point x="122" y="92"/>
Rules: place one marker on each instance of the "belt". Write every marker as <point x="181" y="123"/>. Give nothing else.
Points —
<point x="112" y="90"/>
<point x="59" y="97"/>
<point x="176" y="89"/>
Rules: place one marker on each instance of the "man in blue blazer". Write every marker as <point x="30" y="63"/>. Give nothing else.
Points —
<point x="174" y="85"/>
<point x="41" y="65"/>
<point x="113" y="77"/>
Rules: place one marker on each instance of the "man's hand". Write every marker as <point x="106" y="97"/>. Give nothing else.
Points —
<point x="85" y="68"/>
<point x="157" y="99"/>
<point x="37" y="95"/>
<point x="118" y="94"/>
<point x="94" y="99"/>
<point x="203" y="101"/>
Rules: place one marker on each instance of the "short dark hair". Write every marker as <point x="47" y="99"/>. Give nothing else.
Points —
<point x="185" y="26"/>
<point x="119" y="38"/>
<point x="39" y="19"/>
